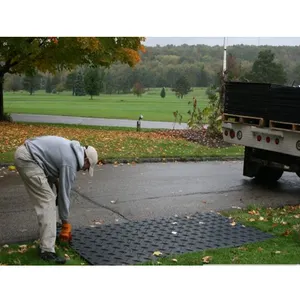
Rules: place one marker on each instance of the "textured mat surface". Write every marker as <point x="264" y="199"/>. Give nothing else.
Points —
<point x="134" y="242"/>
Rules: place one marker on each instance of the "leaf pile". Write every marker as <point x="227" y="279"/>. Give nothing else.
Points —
<point x="200" y="136"/>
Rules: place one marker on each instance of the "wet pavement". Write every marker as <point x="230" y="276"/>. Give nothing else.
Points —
<point x="95" y="121"/>
<point x="144" y="191"/>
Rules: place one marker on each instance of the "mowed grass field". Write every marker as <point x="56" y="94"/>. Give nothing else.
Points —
<point x="115" y="106"/>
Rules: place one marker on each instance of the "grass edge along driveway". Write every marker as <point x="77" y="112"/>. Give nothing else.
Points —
<point x="113" y="143"/>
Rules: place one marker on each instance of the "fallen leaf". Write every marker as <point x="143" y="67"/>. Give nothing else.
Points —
<point x="261" y="218"/>
<point x="98" y="222"/>
<point x="287" y="232"/>
<point x="174" y="259"/>
<point x="113" y="202"/>
<point x="252" y="220"/>
<point x="204" y="202"/>
<point x="67" y="257"/>
<point x="157" y="253"/>
<point x="236" y="258"/>
<point x="174" y="223"/>
<point x="23" y="250"/>
<point x="201" y="223"/>
<point x="233" y="223"/>
<point x="236" y="207"/>
<point x="277" y="252"/>
<point x="260" y="249"/>
<point x="5" y="246"/>
<point x="274" y="225"/>
<point x="206" y="259"/>
<point x="253" y="212"/>
<point x="283" y="223"/>
<point x="11" y="168"/>
<point x="174" y="232"/>
<point x="243" y="248"/>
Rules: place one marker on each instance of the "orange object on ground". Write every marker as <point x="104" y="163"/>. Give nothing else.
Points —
<point x="65" y="233"/>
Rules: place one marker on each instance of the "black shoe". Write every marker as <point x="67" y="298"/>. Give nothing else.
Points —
<point x="52" y="257"/>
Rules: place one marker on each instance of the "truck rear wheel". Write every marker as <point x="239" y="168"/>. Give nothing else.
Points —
<point x="268" y="174"/>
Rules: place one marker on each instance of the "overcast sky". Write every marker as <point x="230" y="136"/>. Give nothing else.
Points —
<point x="211" y="41"/>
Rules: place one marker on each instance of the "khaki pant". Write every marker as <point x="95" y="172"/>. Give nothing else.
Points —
<point x="41" y="195"/>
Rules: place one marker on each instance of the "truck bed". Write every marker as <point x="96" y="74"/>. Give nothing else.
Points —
<point x="263" y="100"/>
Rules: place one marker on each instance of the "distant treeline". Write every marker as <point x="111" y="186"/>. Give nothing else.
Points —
<point x="162" y="67"/>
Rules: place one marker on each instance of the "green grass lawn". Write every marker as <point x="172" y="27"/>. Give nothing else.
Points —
<point x="28" y="254"/>
<point x="150" y="105"/>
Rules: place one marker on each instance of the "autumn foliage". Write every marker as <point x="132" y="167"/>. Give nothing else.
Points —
<point x="120" y="143"/>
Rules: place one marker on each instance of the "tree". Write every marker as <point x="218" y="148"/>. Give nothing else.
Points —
<point x="13" y="83"/>
<point x="202" y="78"/>
<point x="60" y="87"/>
<point x="138" y="89"/>
<point x="79" y="85"/>
<point x="163" y="93"/>
<point x="48" y="86"/>
<point x="92" y="82"/>
<point x="265" y="70"/>
<point x="233" y="69"/>
<point x="182" y="87"/>
<point x="26" y="54"/>
<point x="70" y="82"/>
<point x="296" y="74"/>
<point x="31" y="83"/>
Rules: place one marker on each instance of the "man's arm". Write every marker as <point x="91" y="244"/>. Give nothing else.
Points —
<point x="66" y="180"/>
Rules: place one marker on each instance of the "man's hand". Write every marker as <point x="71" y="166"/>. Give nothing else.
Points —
<point x="65" y="233"/>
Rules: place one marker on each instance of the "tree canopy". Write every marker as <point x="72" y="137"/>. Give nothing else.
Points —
<point x="266" y="70"/>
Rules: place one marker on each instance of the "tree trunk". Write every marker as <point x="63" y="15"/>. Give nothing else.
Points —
<point x="1" y="97"/>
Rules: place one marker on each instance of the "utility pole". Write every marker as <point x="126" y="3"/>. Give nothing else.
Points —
<point x="223" y="77"/>
<point x="224" y="57"/>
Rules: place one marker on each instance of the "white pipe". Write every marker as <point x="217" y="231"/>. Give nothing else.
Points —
<point x="224" y="57"/>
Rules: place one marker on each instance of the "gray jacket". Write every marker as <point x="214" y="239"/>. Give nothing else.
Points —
<point x="60" y="159"/>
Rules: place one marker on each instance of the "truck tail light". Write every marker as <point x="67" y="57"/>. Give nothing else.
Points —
<point x="277" y="141"/>
<point x="226" y="132"/>
<point x="258" y="138"/>
<point x="268" y="139"/>
<point x="232" y="134"/>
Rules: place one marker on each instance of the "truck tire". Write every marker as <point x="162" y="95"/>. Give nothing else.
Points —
<point x="268" y="174"/>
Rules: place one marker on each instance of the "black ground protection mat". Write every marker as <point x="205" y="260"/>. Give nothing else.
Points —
<point x="134" y="242"/>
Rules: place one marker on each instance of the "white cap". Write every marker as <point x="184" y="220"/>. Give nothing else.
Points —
<point x="92" y="155"/>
